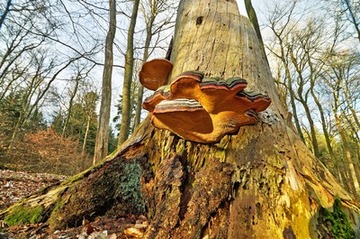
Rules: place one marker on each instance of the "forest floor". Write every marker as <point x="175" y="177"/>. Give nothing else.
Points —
<point x="15" y="185"/>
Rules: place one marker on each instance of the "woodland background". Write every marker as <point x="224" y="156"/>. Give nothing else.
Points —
<point x="69" y="91"/>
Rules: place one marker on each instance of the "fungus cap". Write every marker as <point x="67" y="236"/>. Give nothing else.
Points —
<point x="155" y="73"/>
<point x="203" y="109"/>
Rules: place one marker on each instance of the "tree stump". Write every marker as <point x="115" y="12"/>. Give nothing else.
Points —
<point x="262" y="182"/>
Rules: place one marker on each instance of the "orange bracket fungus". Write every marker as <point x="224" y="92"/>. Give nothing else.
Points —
<point x="198" y="108"/>
<point x="155" y="73"/>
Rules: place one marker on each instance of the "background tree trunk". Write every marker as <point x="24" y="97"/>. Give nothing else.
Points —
<point x="149" y="33"/>
<point x="71" y="101"/>
<point x="102" y="134"/>
<point x="261" y="183"/>
<point x="128" y="74"/>
<point x="254" y="21"/>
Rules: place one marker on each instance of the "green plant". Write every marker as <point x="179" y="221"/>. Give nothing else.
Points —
<point x="129" y="187"/>
<point x="338" y="221"/>
<point x="22" y="215"/>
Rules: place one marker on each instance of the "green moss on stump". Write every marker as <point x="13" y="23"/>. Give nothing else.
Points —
<point x="129" y="186"/>
<point x="337" y="222"/>
<point x="52" y="219"/>
<point x="22" y="215"/>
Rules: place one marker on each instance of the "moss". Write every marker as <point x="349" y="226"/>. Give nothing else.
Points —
<point x="129" y="187"/>
<point x="77" y="177"/>
<point x="22" y="215"/>
<point x="56" y="208"/>
<point x="337" y="222"/>
<point x="58" y="205"/>
<point x="53" y="217"/>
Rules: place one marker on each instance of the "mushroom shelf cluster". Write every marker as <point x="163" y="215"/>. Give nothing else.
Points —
<point x="198" y="108"/>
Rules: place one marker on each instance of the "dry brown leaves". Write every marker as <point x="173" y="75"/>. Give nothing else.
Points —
<point x="16" y="185"/>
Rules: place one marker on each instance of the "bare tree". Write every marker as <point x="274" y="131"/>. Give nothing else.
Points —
<point x="128" y="74"/>
<point x="342" y="70"/>
<point x="32" y="56"/>
<point x="303" y="43"/>
<point x="89" y="103"/>
<point x="71" y="102"/>
<point x="152" y="11"/>
<point x="282" y="16"/>
<point x="352" y="9"/>
<point x="102" y="135"/>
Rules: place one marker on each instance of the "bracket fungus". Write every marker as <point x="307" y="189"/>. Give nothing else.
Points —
<point x="202" y="109"/>
<point x="155" y="73"/>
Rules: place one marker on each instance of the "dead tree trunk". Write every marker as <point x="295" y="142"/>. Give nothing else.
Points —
<point x="260" y="183"/>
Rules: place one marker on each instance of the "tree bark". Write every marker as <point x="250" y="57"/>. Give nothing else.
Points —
<point x="128" y="75"/>
<point x="102" y="134"/>
<point x="262" y="182"/>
